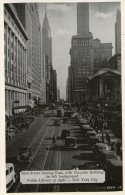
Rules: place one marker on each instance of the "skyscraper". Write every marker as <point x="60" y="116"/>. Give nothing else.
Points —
<point x="50" y="74"/>
<point x="83" y="18"/>
<point x="118" y="32"/>
<point x="87" y="55"/>
<point x="81" y="53"/>
<point x="29" y="17"/>
<point x="15" y="56"/>
<point x="102" y="53"/>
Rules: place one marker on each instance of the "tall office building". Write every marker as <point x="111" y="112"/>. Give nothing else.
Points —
<point x="53" y="86"/>
<point x="58" y="95"/>
<point x="15" y="52"/>
<point x="118" y="32"/>
<point x="81" y="53"/>
<point x="69" y="89"/>
<point x="29" y="17"/>
<point x="47" y="55"/>
<point x="102" y="53"/>
<point x="83" y="18"/>
<point x="87" y="55"/>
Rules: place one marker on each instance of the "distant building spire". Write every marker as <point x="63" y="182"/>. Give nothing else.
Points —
<point x="118" y="32"/>
<point x="46" y="27"/>
<point x="45" y="9"/>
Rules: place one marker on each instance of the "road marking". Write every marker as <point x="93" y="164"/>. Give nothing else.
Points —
<point x="38" y="133"/>
<point x="37" y="187"/>
<point x="34" y="154"/>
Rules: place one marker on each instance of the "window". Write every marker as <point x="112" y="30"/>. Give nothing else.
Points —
<point x="7" y="172"/>
<point x="29" y="95"/>
<point x="29" y="85"/>
<point x="12" y="57"/>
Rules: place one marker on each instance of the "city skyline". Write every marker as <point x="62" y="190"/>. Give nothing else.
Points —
<point x="63" y="23"/>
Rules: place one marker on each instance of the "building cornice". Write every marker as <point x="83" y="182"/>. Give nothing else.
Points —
<point x="12" y="10"/>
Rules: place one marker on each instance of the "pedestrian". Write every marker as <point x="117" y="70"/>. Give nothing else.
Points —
<point x="54" y="138"/>
<point x="108" y="138"/>
<point x="113" y="146"/>
<point x="118" y="147"/>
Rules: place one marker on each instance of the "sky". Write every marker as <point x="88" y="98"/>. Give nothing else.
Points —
<point x="62" y="19"/>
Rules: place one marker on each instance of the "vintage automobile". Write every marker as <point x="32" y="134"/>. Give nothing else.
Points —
<point x="82" y="122"/>
<point x="25" y="154"/>
<point x="113" y="170"/>
<point x="86" y="128"/>
<point x="74" y="115"/>
<point x="60" y="112"/>
<point x="65" y="133"/>
<point x="67" y="113"/>
<point x="99" y="147"/>
<point x="78" y="118"/>
<point x="10" y="175"/>
<point x="103" y="155"/>
<point x="70" y="143"/>
<point x="92" y="140"/>
<point x="65" y="119"/>
<point x="57" y="122"/>
<point x="90" y="133"/>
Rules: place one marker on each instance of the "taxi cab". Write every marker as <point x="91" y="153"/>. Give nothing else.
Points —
<point x="10" y="175"/>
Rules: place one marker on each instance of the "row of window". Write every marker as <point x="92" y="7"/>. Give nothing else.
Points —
<point x="14" y="25"/>
<point x="81" y="42"/>
<point x="15" y="56"/>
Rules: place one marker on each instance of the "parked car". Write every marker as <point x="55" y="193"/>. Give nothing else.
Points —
<point x="99" y="147"/>
<point x="86" y="128"/>
<point x="93" y="140"/>
<point x="10" y="175"/>
<point x="104" y="155"/>
<point x="113" y="170"/>
<point x="82" y="122"/>
<point x="67" y="113"/>
<point x="25" y="154"/>
<point x="90" y="133"/>
<point x="60" y="112"/>
<point x="65" y="133"/>
<point x="74" y="115"/>
<point x="70" y="143"/>
<point x="65" y="119"/>
<point x="10" y="133"/>
<point x="57" y="122"/>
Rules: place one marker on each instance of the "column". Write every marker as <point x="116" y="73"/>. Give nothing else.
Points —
<point x="25" y="65"/>
<point x="101" y="86"/>
<point x="17" y="64"/>
<point x="5" y="100"/>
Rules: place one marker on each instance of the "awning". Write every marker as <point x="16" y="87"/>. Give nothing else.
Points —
<point x="21" y="107"/>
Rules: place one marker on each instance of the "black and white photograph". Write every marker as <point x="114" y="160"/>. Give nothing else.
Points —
<point x="63" y="96"/>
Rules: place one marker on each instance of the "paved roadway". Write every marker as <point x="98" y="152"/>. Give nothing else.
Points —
<point x="51" y="156"/>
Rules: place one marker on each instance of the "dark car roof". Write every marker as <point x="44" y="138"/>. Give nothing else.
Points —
<point x="115" y="162"/>
<point x="24" y="148"/>
<point x="91" y="132"/>
<point x="94" y="137"/>
<point x="70" y="138"/>
<point x="106" y="152"/>
<point x="101" y="144"/>
<point x="65" y="130"/>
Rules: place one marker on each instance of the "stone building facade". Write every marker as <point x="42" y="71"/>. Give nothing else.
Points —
<point x="15" y="55"/>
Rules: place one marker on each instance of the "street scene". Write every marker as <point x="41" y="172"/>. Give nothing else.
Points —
<point x="46" y="137"/>
<point x="63" y="107"/>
